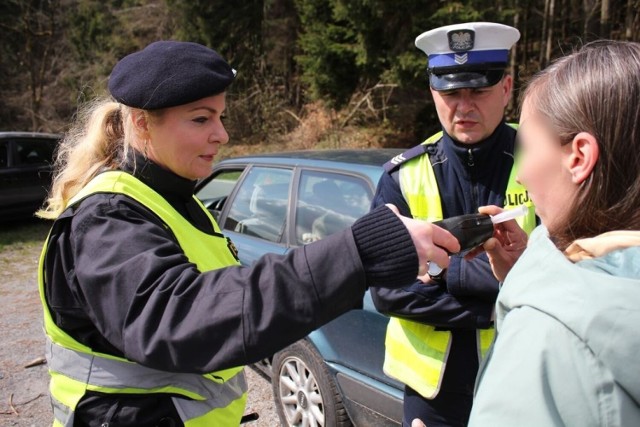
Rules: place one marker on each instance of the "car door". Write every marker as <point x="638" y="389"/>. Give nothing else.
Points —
<point x="273" y="208"/>
<point x="327" y="202"/>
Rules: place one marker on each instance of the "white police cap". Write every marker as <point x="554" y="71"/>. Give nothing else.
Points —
<point x="469" y="55"/>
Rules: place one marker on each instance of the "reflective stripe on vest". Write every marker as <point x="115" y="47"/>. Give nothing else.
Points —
<point x="217" y="398"/>
<point x="415" y="353"/>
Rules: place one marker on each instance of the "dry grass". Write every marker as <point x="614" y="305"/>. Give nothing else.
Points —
<point x="23" y="234"/>
<point x="318" y="129"/>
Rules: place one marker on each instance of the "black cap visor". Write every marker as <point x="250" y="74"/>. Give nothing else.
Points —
<point x="465" y="79"/>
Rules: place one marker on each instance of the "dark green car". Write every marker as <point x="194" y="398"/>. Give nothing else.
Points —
<point x="271" y="203"/>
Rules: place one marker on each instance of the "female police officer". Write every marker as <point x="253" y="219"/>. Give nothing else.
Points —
<point x="148" y="317"/>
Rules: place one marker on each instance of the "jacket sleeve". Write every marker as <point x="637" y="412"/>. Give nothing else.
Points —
<point x="133" y="281"/>
<point x="388" y="191"/>
<point x="451" y="305"/>
<point x="150" y="302"/>
<point x="539" y="373"/>
<point x="472" y="279"/>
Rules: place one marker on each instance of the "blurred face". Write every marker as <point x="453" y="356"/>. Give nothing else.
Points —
<point x="185" y="139"/>
<point x="471" y="115"/>
<point x="544" y="168"/>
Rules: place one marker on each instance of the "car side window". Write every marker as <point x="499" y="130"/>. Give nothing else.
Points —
<point x="4" y="154"/>
<point x="259" y="208"/>
<point x="214" y="193"/>
<point x="329" y="202"/>
<point x="220" y="185"/>
<point x="34" y="152"/>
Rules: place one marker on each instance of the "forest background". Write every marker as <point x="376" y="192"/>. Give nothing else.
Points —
<point x="311" y="73"/>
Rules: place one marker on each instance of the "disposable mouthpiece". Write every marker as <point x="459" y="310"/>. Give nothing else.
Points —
<point x="510" y="214"/>
<point x="434" y="269"/>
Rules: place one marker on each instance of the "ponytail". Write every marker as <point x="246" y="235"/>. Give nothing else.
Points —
<point x="96" y="142"/>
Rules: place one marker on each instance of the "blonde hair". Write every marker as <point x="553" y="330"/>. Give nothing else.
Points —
<point x="100" y="139"/>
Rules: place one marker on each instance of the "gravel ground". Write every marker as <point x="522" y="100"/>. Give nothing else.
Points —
<point x="24" y="398"/>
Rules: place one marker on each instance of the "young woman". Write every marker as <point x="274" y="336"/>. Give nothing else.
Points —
<point x="566" y="352"/>
<point x="148" y="316"/>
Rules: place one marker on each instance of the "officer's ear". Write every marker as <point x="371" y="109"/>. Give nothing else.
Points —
<point x="583" y="156"/>
<point x="507" y="87"/>
<point x="140" y="124"/>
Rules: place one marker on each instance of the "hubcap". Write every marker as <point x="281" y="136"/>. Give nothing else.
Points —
<point x="300" y="396"/>
<point x="302" y="399"/>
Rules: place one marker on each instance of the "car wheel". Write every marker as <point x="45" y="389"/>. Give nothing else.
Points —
<point x="304" y="392"/>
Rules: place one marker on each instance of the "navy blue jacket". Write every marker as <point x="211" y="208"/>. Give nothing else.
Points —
<point x="468" y="176"/>
<point x="118" y="281"/>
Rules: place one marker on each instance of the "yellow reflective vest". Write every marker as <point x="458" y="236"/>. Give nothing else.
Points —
<point x="416" y="353"/>
<point x="215" y="399"/>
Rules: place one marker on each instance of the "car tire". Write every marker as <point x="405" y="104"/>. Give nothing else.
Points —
<point x="304" y="392"/>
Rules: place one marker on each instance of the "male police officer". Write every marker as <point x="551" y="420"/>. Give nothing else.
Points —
<point x="444" y="320"/>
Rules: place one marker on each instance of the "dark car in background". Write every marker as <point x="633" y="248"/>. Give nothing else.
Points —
<point x="271" y="203"/>
<point x="26" y="160"/>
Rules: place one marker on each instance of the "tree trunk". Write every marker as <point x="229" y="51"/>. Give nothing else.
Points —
<point x="629" y="31"/>
<point x="605" y="26"/>
<point x="513" y="66"/>
<point x="549" y="43"/>
<point x="524" y="43"/>
<point x="543" y="36"/>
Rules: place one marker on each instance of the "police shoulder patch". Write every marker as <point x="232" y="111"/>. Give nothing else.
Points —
<point x="232" y="248"/>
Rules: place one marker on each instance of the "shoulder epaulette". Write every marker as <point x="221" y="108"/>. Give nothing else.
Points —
<point x="411" y="153"/>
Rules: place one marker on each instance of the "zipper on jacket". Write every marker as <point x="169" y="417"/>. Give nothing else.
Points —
<point x="470" y="160"/>
<point x="474" y="186"/>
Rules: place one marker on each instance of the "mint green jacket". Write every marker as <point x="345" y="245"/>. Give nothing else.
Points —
<point x="567" y="351"/>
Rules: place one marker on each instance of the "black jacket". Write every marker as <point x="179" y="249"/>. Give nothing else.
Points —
<point x="118" y="281"/>
<point x="468" y="176"/>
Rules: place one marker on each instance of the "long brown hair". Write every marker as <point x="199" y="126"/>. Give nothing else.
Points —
<point x="597" y="90"/>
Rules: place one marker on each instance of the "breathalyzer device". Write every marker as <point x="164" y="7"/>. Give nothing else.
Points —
<point x="472" y="230"/>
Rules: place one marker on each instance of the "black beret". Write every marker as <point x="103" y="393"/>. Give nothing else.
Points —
<point x="169" y="73"/>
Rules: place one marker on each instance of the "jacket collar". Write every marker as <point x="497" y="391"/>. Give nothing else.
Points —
<point x="601" y="245"/>
<point x="482" y="156"/>
<point x="163" y="181"/>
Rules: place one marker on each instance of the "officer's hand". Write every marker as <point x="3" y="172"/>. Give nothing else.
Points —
<point x="417" y="422"/>
<point x="505" y="247"/>
<point x="431" y="241"/>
